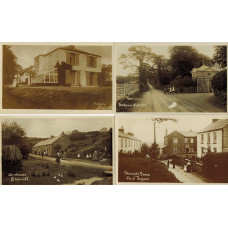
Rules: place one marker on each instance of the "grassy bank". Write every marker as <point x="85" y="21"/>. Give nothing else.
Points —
<point x="40" y="172"/>
<point x="140" y="169"/>
<point x="57" y="97"/>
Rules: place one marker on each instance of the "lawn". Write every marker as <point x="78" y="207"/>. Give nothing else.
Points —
<point x="40" y="172"/>
<point x="58" y="97"/>
<point x="140" y="169"/>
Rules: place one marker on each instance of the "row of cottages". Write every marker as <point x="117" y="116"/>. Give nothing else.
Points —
<point x="180" y="142"/>
<point x="85" y="71"/>
<point x="127" y="142"/>
<point x="203" y="76"/>
<point x="213" y="138"/>
<point x="49" y="146"/>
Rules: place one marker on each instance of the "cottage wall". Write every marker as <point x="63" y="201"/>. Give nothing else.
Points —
<point x="225" y="139"/>
<point x="128" y="145"/>
<point x="64" y="141"/>
<point x="180" y="146"/>
<point x="202" y="146"/>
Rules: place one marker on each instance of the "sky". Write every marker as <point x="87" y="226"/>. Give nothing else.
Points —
<point x="45" y="127"/>
<point x="142" y="127"/>
<point x="160" y="50"/>
<point x="25" y="53"/>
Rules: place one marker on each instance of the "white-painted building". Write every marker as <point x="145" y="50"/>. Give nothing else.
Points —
<point x="127" y="142"/>
<point x="86" y="67"/>
<point x="213" y="138"/>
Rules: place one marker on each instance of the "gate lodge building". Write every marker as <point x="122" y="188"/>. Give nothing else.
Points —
<point x="49" y="145"/>
<point x="127" y="142"/>
<point x="85" y="71"/>
<point x="203" y="76"/>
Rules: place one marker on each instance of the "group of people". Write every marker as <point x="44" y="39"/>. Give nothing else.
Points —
<point x="170" y="90"/>
<point x="174" y="164"/>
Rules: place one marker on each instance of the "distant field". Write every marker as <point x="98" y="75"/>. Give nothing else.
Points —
<point x="58" y="97"/>
<point x="41" y="172"/>
<point x="133" y="167"/>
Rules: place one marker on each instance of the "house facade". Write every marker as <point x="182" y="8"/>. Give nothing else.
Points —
<point x="213" y="138"/>
<point x="127" y="142"/>
<point x="85" y="67"/>
<point x="203" y="76"/>
<point x="179" y="142"/>
<point x="49" y="145"/>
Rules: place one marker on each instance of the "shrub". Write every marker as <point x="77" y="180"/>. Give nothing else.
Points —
<point x="180" y="81"/>
<point x="11" y="159"/>
<point x="25" y="149"/>
<point x="219" y="81"/>
<point x="215" y="166"/>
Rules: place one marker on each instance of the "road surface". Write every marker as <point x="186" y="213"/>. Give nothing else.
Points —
<point x="187" y="178"/>
<point x="155" y="100"/>
<point x="73" y="162"/>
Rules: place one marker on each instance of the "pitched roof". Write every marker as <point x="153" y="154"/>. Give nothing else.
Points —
<point x="69" y="48"/>
<point x="185" y="133"/>
<point x="126" y="135"/>
<point x="219" y="124"/>
<point x="203" y="68"/>
<point x="48" y="141"/>
<point x="188" y="133"/>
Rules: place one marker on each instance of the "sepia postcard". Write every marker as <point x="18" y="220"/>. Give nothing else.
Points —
<point x="174" y="149"/>
<point x="57" y="150"/>
<point x="57" y="77"/>
<point x="171" y="77"/>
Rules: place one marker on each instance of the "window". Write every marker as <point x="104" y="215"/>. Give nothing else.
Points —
<point x="121" y="142"/>
<point x="125" y="142"/>
<point x="46" y="79"/>
<point x="215" y="137"/>
<point x="192" y="150"/>
<point x="186" y="140"/>
<point x="208" y="138"/>
<point x="192" y="140"/>
<point x="175" y="150"/>
<point x="202" y="139"/>
<point x="74" y="59"/>
<point x="215" y="150"/>
<point x="175" y="140"/>
<point x="91" y="61"/>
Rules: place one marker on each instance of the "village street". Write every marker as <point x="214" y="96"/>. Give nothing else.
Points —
<point x="74" y="162"/>
<point x="184" y="177"/>
<point x="155" y="100"/>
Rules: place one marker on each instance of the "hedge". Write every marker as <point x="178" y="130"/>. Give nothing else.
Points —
<point x="215" y="166"/>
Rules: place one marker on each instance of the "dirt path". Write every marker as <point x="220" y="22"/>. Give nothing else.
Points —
<point x="155" y="100"/>
<point x="73" y="162"/>
<point x="184" y="177"/>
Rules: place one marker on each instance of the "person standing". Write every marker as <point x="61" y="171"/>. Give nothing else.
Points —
<point x="58" y="158"/>
<point x="42" y="154"/>
<point x="173" y="164"/>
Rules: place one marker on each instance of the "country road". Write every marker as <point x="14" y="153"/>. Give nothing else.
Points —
<point x="155" y="100"/>
<point x="74" y="162"/>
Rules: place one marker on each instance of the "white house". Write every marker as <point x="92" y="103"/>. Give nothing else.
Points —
<point x="85" y="67"/>
<point x="127" y="142"/>
<point x="213" y="138"/>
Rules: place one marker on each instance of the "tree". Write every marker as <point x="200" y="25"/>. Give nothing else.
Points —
<point x="13" y="134"/>
<point x="62" y="71"/>
<point x="183" y="59"/>
<point x="105" y="78"/>
<point x="145" y="148"/>
<point x="10" y="66"/>
<point x="138" y="57"/>
<point x="220" y="56"/>
<point x="30" y="71"/>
